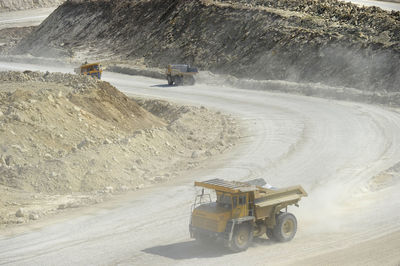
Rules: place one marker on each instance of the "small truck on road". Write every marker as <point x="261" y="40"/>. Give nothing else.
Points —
<point x="181" y="74"/>
<point x="95" y="70"/>
<point x="243" y="210"/>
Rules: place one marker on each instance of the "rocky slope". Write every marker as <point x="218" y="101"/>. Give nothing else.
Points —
<point x="67" y="140"/>
<point x="10" y="5"/>
<point x="9" y="37"/>
<point x="48" y="119"/>
<point x="326" y="41"/>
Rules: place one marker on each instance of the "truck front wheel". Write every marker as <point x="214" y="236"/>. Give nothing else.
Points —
<point x="270" y="234"/>
<point x="285" y="228"/>
<point x="242" y="238"/>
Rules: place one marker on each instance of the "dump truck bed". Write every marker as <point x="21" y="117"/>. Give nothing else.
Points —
<point x="266" y="201"/>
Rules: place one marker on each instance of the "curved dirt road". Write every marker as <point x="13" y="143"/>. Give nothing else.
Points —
<point x="23" y="18"/>
<point x="334" y="149"/>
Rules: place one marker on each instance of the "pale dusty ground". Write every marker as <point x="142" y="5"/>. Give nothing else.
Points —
<point x="339" y="151"/>
<point x="24" y="18"/>
<point x="14" y="5"/>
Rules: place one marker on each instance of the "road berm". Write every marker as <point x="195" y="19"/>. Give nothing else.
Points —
<point x="69" y="140"/>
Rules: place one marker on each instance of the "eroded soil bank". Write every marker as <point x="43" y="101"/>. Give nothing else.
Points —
<point x="69" y="140"/>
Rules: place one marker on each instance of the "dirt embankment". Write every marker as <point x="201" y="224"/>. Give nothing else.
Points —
<point x="331" y="42"/>
<point x="11" y="5"/>
<point x="68" y="140"/>
<point x="9" y="37"/>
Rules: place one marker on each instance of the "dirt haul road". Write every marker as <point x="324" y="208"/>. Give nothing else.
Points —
<point x="24" y="18"/>
<point x="338" y="151"/>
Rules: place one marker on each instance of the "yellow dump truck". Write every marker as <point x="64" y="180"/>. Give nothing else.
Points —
<point x="243" y="210"/>
<point x="93" y="69"/>
<point x="181" y="74"/>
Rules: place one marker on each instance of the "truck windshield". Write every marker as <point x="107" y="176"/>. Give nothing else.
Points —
<point x="224" y="200"/>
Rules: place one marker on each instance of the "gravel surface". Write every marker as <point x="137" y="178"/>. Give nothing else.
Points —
<point x="339" y="151"/>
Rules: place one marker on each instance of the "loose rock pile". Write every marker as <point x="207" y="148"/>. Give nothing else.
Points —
<point x="63" y="134"/>
<point x="372" y="19"/>
<point x="49" y="119"/>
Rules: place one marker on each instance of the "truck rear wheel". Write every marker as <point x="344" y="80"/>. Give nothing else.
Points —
<point x="178" y="80"/>
<point x="285" y="228"/>
<point x="170" y="81"/>
<point x="242" y="238"/>
<point x="189" y="80"/>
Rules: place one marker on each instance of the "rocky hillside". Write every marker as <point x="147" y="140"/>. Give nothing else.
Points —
<point x="50" y="125"/>
<point x="325" y="41"/>
<point x="63" y="133"/>
<point x="9" y="37"/>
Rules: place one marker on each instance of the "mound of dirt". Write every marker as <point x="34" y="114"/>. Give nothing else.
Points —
<point x="46" y="118"/>
<point x="11" y="5"/>
<point x="68" y="140"/>
<point x="327" y="41"/>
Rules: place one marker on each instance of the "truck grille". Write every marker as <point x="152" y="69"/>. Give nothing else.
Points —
<point x="205" y="223"/>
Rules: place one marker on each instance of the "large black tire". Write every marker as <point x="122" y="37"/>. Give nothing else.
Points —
<point x="190" y="80"/>
<point x="178" y="80"/>
<point x="285" y="228"/>
<point x="242" y="238"/>
<point x="170" y="81"/>
<point x="270" y="234"/>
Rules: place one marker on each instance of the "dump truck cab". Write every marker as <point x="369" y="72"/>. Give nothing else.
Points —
<point x="241" y="211"/>
<point x="94" y="70"/>
<point x="213" y="216"/>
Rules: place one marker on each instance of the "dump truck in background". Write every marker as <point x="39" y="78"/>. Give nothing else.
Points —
<point x="94" y="70"/>
<point x="243" y="210"/>
<point x="181" y="74"/>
